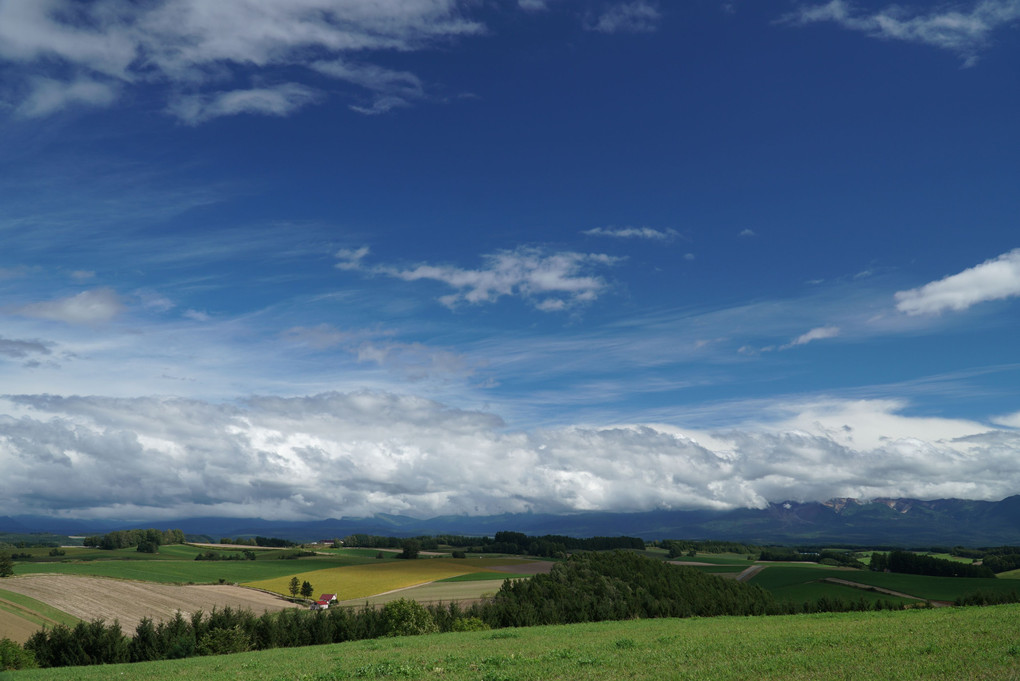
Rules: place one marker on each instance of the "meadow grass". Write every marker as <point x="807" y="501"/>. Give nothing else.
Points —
<point x="947" y="643"/>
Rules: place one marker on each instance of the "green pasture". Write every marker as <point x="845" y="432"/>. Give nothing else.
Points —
<point x="177" y="565"/>
<point x="947" y="643"/>
<point x="721" y="569"/>
<point x="720" y="559"/>
<point x="794" y="582"/>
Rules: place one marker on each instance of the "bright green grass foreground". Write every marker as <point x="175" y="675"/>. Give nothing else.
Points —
<point x="947" y="643"/>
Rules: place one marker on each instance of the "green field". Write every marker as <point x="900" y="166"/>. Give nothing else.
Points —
<point x="948" y="643"/>
<point x="799" y="582"/>
<point x="177" y="565"/>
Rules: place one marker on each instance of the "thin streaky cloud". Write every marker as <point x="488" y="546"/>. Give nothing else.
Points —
<point x="185" y="46"/>
<point x="88" y="307"/>
<point x="819" y="333"/>
<point x="633" y="233"/>
<point x="965" y="32"/>
<point x="638" y="16"/>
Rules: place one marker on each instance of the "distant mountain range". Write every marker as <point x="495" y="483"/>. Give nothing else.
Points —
<point x="897" y="522"/>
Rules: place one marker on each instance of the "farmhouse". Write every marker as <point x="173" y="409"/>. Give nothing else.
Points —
<point x="324" y="602"/>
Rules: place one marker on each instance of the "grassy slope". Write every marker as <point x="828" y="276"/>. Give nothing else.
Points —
<point x="949" y="643"/>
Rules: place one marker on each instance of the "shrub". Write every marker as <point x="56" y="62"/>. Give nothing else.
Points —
<point x="469" y="624"/>
<point x="224" y="642"/>
<point x="13" y="656"/>
<point x="404" y="617"/>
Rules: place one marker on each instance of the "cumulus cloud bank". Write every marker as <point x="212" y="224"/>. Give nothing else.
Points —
<point x="356" y="454"/>
<point x="993" y="279"/>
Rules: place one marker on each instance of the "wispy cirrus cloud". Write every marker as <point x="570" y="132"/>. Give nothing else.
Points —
<point x="633" y="233"/>
<point x="965" y="32"/>
<point x="549" y="281"/>
<point x="995" y="279"/>
<point x="189" y="45"/>
<point x="819" y="333"/>
<point x="279" y="100"/>
<point x="94" y="306"/>
<point x="637" y="16"/>
<point x="48" y="95"/>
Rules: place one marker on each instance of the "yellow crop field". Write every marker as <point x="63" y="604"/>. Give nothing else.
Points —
<point x="361" y="581"/>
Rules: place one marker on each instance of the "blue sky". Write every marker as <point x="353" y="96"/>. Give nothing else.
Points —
<point x="321" y="258"/>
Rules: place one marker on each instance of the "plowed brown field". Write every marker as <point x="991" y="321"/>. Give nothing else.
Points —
<point x="128" y="602"/>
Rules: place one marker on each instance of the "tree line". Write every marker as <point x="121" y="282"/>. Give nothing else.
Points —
<point x="910" y="563"/>
<point x="147" y="541"/>
<point x="545" y="546"/>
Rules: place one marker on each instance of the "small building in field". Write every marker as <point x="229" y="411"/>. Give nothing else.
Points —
<point x="328" y="598"/>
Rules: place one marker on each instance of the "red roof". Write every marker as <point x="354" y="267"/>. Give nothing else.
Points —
<point x="327" y="597"/>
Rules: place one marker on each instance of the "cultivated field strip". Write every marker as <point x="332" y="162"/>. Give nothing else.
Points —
<point x="128" y="602"/>
<point x="363" y="581"/>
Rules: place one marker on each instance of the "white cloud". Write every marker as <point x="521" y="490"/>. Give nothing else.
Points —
<point x="88" y="307"/>
<point x="350" y="258"/>
<point x="633" y="233"/>
<point x="966" y="33"/>
<point x="549" y="281"/>
<point x="48" y="96"/>
<point x="818" y="333"/>
<point x="638" y="16"/>
<point x="279" y="100"/>
<point x="1009" y="420"/>
<point x="187" y="45"/>
<point x="391" y="453"/>
<point x="747" y="232"/>
<point x="994" y="279"/>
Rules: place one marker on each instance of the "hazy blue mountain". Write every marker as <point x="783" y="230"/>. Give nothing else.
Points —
<point x="901" y="522"/>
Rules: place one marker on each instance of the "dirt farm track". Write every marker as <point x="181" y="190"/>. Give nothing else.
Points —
<point x="128" y="602"/>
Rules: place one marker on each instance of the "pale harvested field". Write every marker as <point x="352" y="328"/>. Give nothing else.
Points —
<point x="525" y="567"/>
<point x="434" y="592"/>
<point x="128" y="602"/>
<point x="16" y="628"/>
